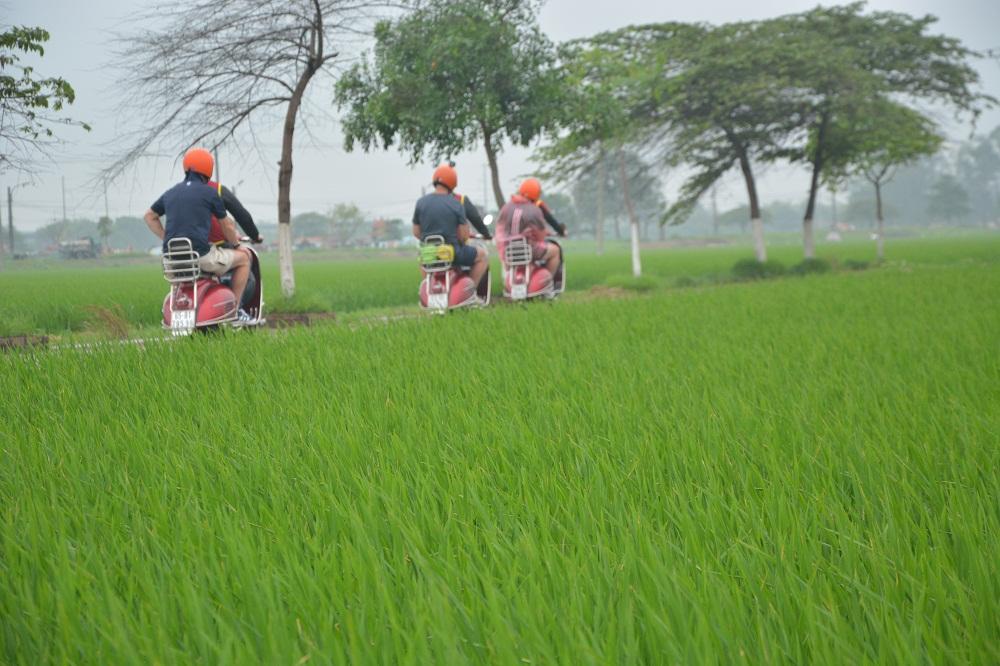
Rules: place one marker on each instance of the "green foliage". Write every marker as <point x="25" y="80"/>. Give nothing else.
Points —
<point x="741" y="468"/>
<point x="856" y="264"/>
<point x="875" y="136"/>
<point x="751" y="269"/>
<point x="27" y="101"/>
<point x="979" y="170"/>
<point x="948" y="201"/>
<point x="603" y="179"/>
<point x="811" y="265"/>
<point x="452" y="75"/>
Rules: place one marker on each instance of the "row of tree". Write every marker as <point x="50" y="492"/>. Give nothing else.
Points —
<point x="834" y="89"/>
<point x="345" y="225"/>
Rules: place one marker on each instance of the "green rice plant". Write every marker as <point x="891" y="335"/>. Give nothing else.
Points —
<point x="631" y="283"/>
<point x="812" y="265"/>
<point x="751" y="269"/>
<point x="55" y="297"/>
<point x="795" y="471"/>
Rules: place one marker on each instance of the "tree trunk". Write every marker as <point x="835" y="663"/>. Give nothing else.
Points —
<point x="880" y="240"/>
<point x="633" y="222"/>
<point x="715" y="213"/>
<point x="756" y="223"/>
<point x="285" y="268"/>
<point x="808" y="240"/>
<point x="491" y="157"/>
<point x="599" y="227"/>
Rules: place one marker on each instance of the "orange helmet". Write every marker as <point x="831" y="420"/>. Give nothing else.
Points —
<point x="447" y="176"/>
<point x="531" y="189"/>
<point x="200" y="161"/>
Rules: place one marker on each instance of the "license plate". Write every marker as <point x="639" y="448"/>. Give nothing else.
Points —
<point x="437" y="301"/>
<point x="519" y="291"/>
<point x="182" y="321"/>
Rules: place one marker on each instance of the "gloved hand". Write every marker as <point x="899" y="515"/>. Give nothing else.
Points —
<point x="258" y="240"/>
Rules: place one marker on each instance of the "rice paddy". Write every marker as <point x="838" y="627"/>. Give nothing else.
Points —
<point x="799" y="470"/>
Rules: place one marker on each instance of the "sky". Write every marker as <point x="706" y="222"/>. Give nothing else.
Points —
<point x="381" y="183"/>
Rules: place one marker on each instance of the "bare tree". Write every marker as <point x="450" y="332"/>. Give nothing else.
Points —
<point x="217" y="65"/>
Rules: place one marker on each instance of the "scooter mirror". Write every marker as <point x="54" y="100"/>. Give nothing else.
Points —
<point x="488" y="220"/>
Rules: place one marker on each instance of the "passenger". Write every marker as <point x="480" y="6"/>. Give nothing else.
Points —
<point x="441" y="213"/>
<point x="236" y="210"/>
<point x="473" y="216"/>
<point x="526" y="214"/>
<point x="189" y="207"/>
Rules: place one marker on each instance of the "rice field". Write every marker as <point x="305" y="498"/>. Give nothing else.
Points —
<point x="60" y="297"/>
<point x="789" y="471"/>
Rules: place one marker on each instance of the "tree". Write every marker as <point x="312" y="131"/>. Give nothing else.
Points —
<point x="601" y="187"/>
<point x="979" y="169"/>
<point x="105" y="226"/>
<point x="347" y="223"/>
<point x="875" y="139"/>
<point x="450" y="76"/>
<point x="839" y="59"/>
<point x="607" y="81"/>
<point x="724" y="108"/>
<point x="948" y="200"/>
<point x="29" y="105"/>
<point x="214" y="66"/>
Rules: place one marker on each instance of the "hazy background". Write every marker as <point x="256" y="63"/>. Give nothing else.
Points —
<point x="381" y="183"/>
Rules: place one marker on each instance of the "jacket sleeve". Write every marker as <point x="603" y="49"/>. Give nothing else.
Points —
<point x="473" y="216"/>
<point x="239" y="213"/>
<point x="551" y="219"/>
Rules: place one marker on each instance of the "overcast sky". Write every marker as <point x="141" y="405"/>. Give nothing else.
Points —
<point x="381" y="182"/>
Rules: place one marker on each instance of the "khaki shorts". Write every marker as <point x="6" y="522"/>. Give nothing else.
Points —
<point x="218" y="260"/>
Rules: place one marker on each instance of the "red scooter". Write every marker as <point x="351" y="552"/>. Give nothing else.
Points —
<point x="201" y="302"/>
<point x="445" y="286"/>
<point x="523" y="277"/>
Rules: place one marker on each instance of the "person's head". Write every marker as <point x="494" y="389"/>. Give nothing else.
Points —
<point x="199" y="161"/>
<point x="445" y="176"/>
<point x="531" y="189"/>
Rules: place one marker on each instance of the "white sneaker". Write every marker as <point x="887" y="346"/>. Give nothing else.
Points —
<point x="243" y="318"/>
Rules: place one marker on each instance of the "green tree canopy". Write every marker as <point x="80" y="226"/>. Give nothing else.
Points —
<point x="840" y="59"/>
<point x="450" y="76"/>
<point x="29" y="104"/>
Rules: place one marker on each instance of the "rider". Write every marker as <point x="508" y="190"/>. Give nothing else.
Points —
<point x="531" y="221"/>
<point x="189" y="207"/>
<point x="442" y="213"/>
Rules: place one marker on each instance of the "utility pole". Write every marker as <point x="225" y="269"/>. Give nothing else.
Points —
<point x="64" y="198"/>
<point x="10" y="217"/>
<point x="106" y="201"/>
<point x="218" y="169"/>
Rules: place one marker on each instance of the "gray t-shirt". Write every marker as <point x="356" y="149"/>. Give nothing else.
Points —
<point x="439" y="214"/>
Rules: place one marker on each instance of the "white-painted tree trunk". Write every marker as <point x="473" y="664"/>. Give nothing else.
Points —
<point x="636" y="260"/>
<point x="285" y="260"/>
<point x="759" y="248"/>
<point x="808" y="241"/>
<point x="880" y="242"/>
